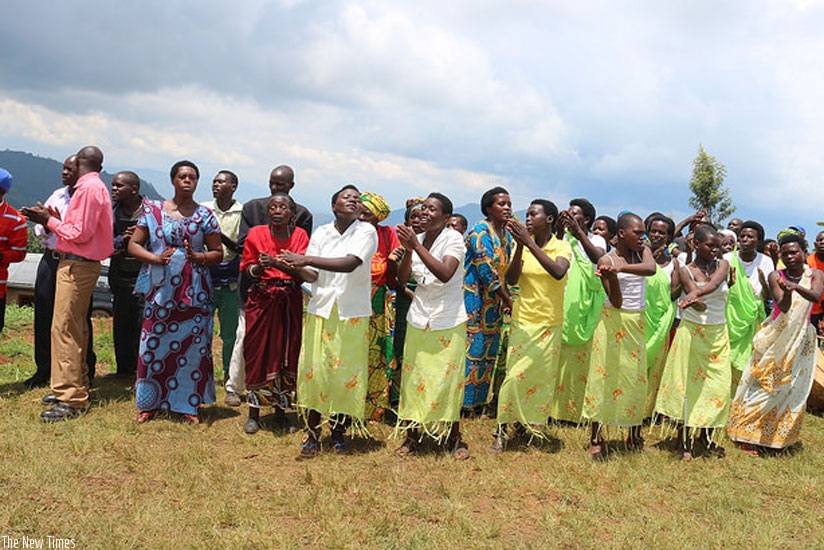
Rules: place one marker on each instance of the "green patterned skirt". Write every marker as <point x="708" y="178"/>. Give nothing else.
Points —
<point x="528" y="390"/>
<point x="433" y="380"/>
<point x="617" y="381"/>
<point x="695" y="384"/>
<point x="573" y="368"/>
<point x="333" y="367"/>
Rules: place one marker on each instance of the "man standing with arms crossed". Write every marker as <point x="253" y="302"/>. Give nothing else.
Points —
<point x="84" y="238"/>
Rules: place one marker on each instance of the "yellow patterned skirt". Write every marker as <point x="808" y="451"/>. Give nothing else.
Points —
<point x="528" y="390"/>
<point x="617" y="382"/>
<point x="333" y="367"/>
<point x="770" y="403"/>
<point x="433" y="380"/>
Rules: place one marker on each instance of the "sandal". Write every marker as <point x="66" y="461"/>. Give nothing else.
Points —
<point x="408" y="448"/>
<point x="339" y="448"/>
<point x="751" y="450"/>
<point x="498" y="445"/>
<point x="597" y="449"/>
<point x="684" y="455"/>
<point x="144" y="416"/>
<point x="460" y="451"/>
<point x="309" y="447"/>
<point x="191" y="419"/>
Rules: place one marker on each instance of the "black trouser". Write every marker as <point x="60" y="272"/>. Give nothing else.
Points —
<point x="126" y="321"/>
<point x="43" y="313"/>
<point x="2" y="312"/>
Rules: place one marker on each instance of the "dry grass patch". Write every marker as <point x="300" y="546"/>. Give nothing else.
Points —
<point x="110" y="483"/>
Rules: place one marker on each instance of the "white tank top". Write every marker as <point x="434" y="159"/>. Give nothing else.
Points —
<point x="633" y="290"/>
<point x="716" y="302"/>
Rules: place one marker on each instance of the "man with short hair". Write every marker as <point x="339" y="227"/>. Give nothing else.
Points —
<point x="734" y="225"/>
<point x="225" y="275"/>
<point x="83" y="240"/>
<point x="45" y="282"/>
<point x="123" y="271"/>
<point x="256" y="212"/>
<point x="14" y="236"/>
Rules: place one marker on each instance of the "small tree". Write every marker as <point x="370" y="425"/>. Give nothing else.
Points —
<point x="707" y="186"/>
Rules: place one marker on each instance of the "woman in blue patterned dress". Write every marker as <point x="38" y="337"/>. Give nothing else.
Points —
<point x="486" y="297"/>
<point x="176" y="240"/>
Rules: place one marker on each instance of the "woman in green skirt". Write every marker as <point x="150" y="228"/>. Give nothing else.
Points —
<point x="695" y="386"/>
<point x="333" y="364"/>
<point x="432" y="383"/>
<point x="528" y="390"/>
<point x="617" y="380"/>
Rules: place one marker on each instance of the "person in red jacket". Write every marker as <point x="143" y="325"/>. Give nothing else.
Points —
<point x="13" y="238"/>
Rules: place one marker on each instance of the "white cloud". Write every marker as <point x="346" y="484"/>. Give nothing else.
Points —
<point x="548" y="98"/>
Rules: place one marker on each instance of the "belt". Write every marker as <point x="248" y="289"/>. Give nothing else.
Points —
<point x="275" y="282"/>
<point x="67" y="256"/>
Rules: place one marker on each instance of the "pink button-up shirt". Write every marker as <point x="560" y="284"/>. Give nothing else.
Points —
<point x="86" y="229"/>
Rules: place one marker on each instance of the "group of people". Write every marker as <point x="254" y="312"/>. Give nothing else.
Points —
<point x="564" y="317"/>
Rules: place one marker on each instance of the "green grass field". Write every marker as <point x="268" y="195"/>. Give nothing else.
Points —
<point x="106" y="482"/>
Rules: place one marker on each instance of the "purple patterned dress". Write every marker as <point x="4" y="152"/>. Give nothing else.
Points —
<point x="174" y="370"/>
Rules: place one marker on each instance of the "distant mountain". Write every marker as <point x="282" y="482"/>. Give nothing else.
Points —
<point x="35" y="178"/>
<point x="472" y="211"/>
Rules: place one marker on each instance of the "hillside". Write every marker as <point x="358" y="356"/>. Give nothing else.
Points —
<point x="36" y="177"/>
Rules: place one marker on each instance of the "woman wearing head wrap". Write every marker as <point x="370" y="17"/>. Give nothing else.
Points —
<point x="384" y="269"/>
<point x="729" y="240"/>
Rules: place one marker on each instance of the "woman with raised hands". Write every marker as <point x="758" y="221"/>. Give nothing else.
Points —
<point x="432" y="381"/>
<point x="539" y="267"/>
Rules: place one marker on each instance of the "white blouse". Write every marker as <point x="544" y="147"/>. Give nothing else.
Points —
<point x="439" y="305"/>
<point x="350" y="291"/>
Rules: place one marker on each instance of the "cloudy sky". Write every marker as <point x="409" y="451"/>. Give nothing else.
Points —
<point x="552" y="99"/>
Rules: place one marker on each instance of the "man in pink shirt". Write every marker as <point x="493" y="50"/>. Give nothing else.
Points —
<point x="45" y="282"/>
<point x="83" y="239"/>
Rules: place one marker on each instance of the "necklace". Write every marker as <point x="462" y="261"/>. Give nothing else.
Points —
<point x="793" y="278"/>
<point x="708" y="269"/>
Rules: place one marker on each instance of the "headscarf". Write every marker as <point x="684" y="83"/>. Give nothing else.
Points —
<point x="376" y="204"/>
<point x="793" y="230"/>
<point x="414" y="202"/>
<point x="412" y="205"/>
<point x="729" y="233"/>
